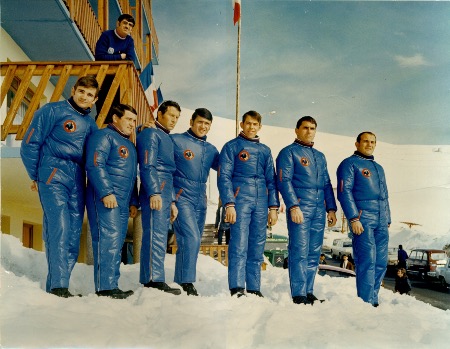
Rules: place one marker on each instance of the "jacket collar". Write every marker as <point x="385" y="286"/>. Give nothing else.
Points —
<point x="242" y="135"/>
<point x="77" y="108"/>
<point x="361" y="155"/>
<point x="161" y="127"/>
<point x="309" y="145"/>
<point x="112" y="127"/>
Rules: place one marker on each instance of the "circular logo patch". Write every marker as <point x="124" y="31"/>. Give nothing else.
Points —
<point x="123" y="152"/>
<point x="188" y="154"/>
<point x="366" y="173"/>
<point x="111" y="50"/>
<point x="304" y="161"/>
<point x="244" y="155"/>
<point x="70" y="126"/>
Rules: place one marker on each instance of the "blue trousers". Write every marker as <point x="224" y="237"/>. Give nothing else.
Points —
<point x="155" y="228"/>
<point x="305" y="245"/>
<point x="370" y="251"/>
<point x="247" y="239"/>
<point x="108" y="231"/>
<point x="61" y="188"/>
<point x="188" y="230"/>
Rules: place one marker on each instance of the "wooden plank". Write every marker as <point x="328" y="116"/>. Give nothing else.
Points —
<point x="62" y="82"/>
<point x="111" y="94"/>
<point x="102" y="74"/>
<point x="7" y="81"/>
<point x="34" y="104"/>
<point x="84" y="70"/>
<point x="21" y="91"/>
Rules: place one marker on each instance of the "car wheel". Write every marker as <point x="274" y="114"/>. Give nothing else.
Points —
<point x="443" y="283"/>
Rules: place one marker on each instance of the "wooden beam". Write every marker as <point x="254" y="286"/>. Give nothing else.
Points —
<point x="62" y="82"/>
<point x="7" y="81"/>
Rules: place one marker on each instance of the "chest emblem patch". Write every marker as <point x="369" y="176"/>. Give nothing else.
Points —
<point x="188" y="154"/>
<point x="304" y="161"/>
<point x="110" y="50"/>
<point x="70" y="126"/>
<point x="366" y="173"/>
<point x="244" y="155"/>
<point x="123" y="152"/>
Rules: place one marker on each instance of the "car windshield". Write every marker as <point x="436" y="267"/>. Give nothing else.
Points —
<point x="276" y="246"/>
<point x="438" y="256"/>
<point x="348" y="244"/>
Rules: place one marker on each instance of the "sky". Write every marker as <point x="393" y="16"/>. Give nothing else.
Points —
<point x="354" y="65"/>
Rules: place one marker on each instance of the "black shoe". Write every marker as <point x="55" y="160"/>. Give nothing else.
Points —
<point x="375" y="305"/>
<point x="61" y="292"/>
<point x="116" y="293"/>
<point x="189" y="289"/>
<point x="301" y="300"/>
<point x="257" y="293"/>
<point x="163" y="287"/>
<point x="312" y="298"/>
<point x="238" y="291"/>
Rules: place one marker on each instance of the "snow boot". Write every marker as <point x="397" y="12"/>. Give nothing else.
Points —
<point x="189" y="289"/>
<point x="257" y="293"/>
<point x="162" y="286"/>
<point x="61" y="292"/>
<point x="238" y="291"/>
<point x="301" y="300"/>
<point x="115" y="293"/>
<point x="313" y="298"/>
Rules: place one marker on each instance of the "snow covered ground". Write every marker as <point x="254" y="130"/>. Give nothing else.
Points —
<point x="419" y="185"/>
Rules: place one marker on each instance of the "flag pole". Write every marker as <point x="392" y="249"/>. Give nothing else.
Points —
<point x="238" y="75"/>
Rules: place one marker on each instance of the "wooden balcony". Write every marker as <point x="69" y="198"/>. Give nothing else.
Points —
<point x="126" y="80"/>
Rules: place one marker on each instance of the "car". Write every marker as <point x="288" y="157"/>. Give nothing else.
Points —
<point x="443" y="274"/>
<point x="275" y="249"/>
<point x="422" y="264"/>
<point x="341" y="247"/>
<point x="392" y="256"/>
<point x="334" y="271"/>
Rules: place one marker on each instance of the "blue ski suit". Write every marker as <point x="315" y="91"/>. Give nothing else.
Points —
<point x="246" y="179"/>
<point x="304" y="182"/>
<point x="53" y="154"/>
<point x="194" y="157"/>
<point x="111" y="166"/>
<point x="156" y="167"/>
<point x="363" y="195"/>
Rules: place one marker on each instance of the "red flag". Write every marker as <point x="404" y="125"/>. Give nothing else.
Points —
<point x="237" y="11"/>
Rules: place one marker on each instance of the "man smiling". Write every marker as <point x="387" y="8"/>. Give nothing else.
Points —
<point x="194" y="157"/>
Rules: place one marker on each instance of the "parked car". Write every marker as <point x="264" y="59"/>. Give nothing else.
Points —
<point x="276" y="249"/>
<point x="341" y="247"/>
<point x="333" y="271"/>
<point x="422" y="263"/>
<point x="443" y="274"/>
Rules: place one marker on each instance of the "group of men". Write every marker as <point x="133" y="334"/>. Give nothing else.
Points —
<point x="63" y="145"/>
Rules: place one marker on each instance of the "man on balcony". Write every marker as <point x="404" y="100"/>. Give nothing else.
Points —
<point x="53" y="155"/>
<point x="115" y="45"/>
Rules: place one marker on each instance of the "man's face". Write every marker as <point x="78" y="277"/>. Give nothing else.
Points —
<point x="84" y="97"/>
<point x="306" y="132"/>
<point x="250" y="127"/>
<point x="126" y="124"/>
<point x="124" y="28"/>
<point x="200" y="126"/>
<point x="169" y="119"/>
<point x="366" y="145"/>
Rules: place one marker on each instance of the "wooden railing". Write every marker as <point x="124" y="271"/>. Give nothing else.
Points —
<point x="84" y="17"/>
<point x="126" y="80"/>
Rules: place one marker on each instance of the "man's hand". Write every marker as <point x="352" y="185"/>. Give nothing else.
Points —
<point x="33" y="186"/>
<point x="156" y="202"/>
<point x="123" y="55"/>
<point x="173" y="212"/>
<point x="297" y="215"/>
<point x="331" y="218"/>
<point x="357" y="228"/>
<point x="147" y="124"/>
<point x="133" y="211"/>
<point x="110" y="201"/>
<point x="272" y="218"/>
<point x="230" y="215"/>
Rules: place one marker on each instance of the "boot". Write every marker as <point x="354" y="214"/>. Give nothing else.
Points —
<point x="301" y="300"/>
<point x="311" y="298"/>
<point x="238" y="291"/>
<point x="115" y="293"/>
<point x="257" y="293"/>
<point x="162" y="286"/>
<point x="189" y="289"/>
<point x="61" y="292"/>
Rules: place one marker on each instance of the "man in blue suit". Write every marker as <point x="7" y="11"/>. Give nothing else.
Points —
<point x="111" y="166"/>
<point x="194" y="157"/>
<point x="363" y="194"/>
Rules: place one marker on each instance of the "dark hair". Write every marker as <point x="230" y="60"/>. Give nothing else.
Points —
<point x="87" y="81"/>
<point x="128" y="17"/>
<point x="358" y="139"/>
<point x="307" y="119"/>
<point x="166" y="104"/>
<point x="253" y="114"/>
<point x="202" y="112"/>
<point x="119" y="110"/>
